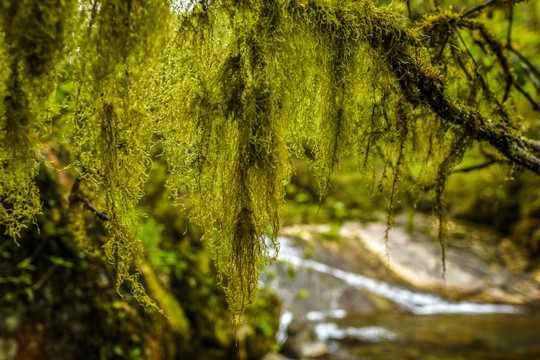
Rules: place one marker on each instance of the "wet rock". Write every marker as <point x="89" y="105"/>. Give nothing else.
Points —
<point x="303" y="342"/>
<point x="364" y="334"/>
<point x="417" y="262"/>
<point x="307" y="291"/>
<point x="415" y="258"/>
<point x="359" y="301"/>
<point x="375" y="283"/>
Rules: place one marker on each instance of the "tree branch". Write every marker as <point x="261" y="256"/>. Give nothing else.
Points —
<point x="480" y="8"/>
<point x="488" y="4"/>
<point x="510" y="22"/>
<point x="505" y="139"/>
<point x="534" y="145"/>
<point x="474" y="167"/>
<point x="533" y="68"/>
<point x="399" y="47"/>
<point x="408" y="70"/>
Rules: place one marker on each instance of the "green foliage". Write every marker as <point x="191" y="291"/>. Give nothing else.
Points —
<point x="231" y="91"/>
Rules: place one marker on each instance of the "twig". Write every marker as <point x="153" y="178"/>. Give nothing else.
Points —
<point x="510" y="21"/>
<point x="500" y="136"/>
<point x="44" y="278"/>
<point x="508" y="42"/>
<point x="419" y="88"/>
<point x="480" y="77"/>
<point x="533" y="68"/>
<point x="480" y="8"/>
<point x="489" y="3"/>
<point x="77" y="197"/>
<point x="497" y="48"/>
<point x="535" y="105"/>
<point x="441" y="52"/>
<point x="504" y="137"/>
<point x="474" y="167"/>
<point x="100" y="214"/>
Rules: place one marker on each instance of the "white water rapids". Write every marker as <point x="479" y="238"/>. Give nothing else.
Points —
<point x="324" y="314"/>
<point x="417" y="302"/>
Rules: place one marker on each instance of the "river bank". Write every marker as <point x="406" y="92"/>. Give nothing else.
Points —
<point x="348" y="294"/>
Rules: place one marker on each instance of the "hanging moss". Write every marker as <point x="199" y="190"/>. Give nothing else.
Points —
<point x="232" y="90"/>
<point x="110" y="127"/>
<point x="236" y="156"/>
<point x="460" y="144"/>
<point x="334" y="65"/>
<point x="32" y="39"/>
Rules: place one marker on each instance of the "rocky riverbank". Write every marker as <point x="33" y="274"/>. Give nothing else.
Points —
<point x="479" y="266"/>
<point x="337" y="283"/>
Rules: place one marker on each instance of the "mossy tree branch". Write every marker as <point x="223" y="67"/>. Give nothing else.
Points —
<point x="232" y="89"/>
<point x="506" y="139"/>
<point x="419" y="86"/>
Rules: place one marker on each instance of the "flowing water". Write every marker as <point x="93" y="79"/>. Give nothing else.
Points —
<point x="415" y="325"/>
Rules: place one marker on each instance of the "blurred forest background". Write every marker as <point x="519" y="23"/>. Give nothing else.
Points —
<point x="59" y="297"/>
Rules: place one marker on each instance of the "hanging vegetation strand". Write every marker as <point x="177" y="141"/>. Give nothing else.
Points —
<point x="231" y="90"/>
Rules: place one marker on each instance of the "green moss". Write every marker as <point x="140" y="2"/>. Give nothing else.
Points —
<point x="32" y="41"/>
<point x="110" y="127"/>
<point x="232" y="90"/>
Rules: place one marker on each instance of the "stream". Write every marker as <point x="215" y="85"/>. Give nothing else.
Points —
<point x="336" y="314"/>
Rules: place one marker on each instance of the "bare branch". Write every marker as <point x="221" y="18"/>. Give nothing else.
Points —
<point x="474" y="167"/>
<point x="488" y="4"/>
<point x="535" y="105"/>
<point x="533" y="68"/>
<point x="480" y="8"/>
<point x="510" y="22"/>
